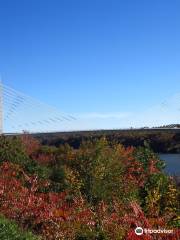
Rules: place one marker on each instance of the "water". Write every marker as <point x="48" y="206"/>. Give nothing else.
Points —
<point x="172" y="163"/>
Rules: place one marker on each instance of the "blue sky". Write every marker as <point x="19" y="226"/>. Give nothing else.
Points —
<point x="94" y="58"/>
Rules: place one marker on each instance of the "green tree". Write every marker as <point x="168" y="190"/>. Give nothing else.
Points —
<point x="101" y="171"/>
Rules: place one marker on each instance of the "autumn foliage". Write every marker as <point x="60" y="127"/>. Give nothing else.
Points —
<point x="99" y="191"/>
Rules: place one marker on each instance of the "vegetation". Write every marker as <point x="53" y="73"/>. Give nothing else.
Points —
<point x="99" y="191"/>
<point x="10" y="231"/>
<point x="160" y="141"/>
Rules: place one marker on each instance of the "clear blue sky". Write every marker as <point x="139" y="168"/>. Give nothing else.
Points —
<point x="92" y="56"/>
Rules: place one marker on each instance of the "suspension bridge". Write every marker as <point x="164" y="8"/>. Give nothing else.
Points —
<point x="21" y="113"/>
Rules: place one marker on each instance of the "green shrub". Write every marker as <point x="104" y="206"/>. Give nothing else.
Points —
<point x="57" y="178"/>
<point x="87" y="234"/>
<point x="100" y="170"/>
<point x="12" y="150"/>
<point x="32" y="167"/>
<point x="10" y="231"/>
<point x="145" y="155"/>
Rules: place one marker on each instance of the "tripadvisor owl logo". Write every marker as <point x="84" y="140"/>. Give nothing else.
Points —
<point x="138" y="231"/>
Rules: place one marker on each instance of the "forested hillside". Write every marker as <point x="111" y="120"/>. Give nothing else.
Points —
<point x="161" y="141"/>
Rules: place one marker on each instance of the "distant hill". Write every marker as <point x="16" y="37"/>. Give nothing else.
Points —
<point x="160" y="140"/>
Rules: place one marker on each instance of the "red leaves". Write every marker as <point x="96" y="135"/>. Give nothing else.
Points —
<point x="63" y="215"/>
<point x="31" y="144"/>
<point x="132" y="236"/>
<point x="134" y="170"/>
<point x="28" y="207"/>
<point x="152" y="166"/>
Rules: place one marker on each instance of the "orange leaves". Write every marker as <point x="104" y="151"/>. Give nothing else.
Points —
<point x="30" y="144"/>
<point x="60" y="213"/>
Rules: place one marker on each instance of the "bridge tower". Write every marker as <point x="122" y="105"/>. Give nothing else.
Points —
<point x="1" y="107"/>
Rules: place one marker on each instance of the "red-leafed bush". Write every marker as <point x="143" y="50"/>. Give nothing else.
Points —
<point x="30" y="144"/>
<point x="38" y="211"/>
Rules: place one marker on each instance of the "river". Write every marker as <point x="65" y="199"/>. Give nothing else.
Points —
<point x="172" y="163"/>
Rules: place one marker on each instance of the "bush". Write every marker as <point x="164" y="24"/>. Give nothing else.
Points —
<point x="32" y="167"/>
<point x="145" y="155"/>
<point x="10" y="231"/>
<point x="102" y="170"/>
<point x="89" y="235"/>
<point x="12" y="150"/>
